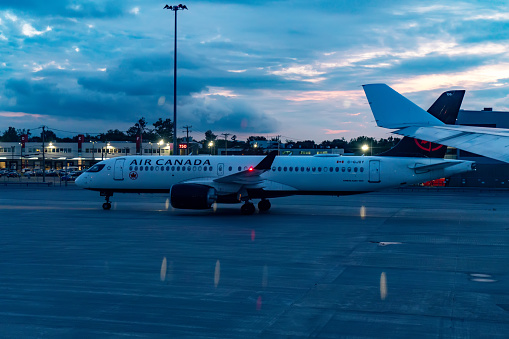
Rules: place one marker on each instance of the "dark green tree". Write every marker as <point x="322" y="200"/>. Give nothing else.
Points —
<point x="164" y="129"/>
<point x="138" y="128"/>
<point x="114" y="135"/>
<point x="10" y="135"/>
<point x="209" y="136"/>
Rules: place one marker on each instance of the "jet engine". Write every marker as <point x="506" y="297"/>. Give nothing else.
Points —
<point x="192" y="196"/>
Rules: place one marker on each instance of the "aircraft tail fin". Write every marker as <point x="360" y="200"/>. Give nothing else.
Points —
<point x="392" y="110"/>
<point x="445" y="109"/>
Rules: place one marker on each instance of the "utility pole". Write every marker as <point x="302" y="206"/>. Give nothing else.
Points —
<point x="278" y="144"/>
<point x="43" y="155"/>
<point x="175" y="9"/>
<point x="225" y="143"/>
<point x="187" y="127"/>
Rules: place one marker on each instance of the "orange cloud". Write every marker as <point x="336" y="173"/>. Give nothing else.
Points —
<point x="335" y="131"/>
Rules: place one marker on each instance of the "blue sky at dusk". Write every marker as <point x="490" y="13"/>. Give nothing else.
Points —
<point x="290" y="68"/>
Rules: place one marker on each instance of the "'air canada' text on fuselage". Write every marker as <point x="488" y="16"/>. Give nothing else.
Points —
<point x="166" y="161"/>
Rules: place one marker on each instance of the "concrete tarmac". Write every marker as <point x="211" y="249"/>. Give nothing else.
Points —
<point x="397" y="264"/>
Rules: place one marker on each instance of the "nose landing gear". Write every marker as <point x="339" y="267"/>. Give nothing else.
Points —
<point x="107" y="204"/>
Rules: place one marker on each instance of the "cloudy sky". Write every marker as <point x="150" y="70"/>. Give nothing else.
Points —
<point x="291" y="68"/>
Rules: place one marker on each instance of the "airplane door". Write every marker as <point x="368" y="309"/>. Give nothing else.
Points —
<point x="374" y="171"/>
<point x="220" y="169"/>
<point x="118" y="174"/>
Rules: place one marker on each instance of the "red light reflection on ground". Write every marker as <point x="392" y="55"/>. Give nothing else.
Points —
<point x="259" y="303"/>
<point x="253" y="235"/>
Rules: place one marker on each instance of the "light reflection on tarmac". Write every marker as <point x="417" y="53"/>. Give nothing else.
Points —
<point x="395" y="265"/>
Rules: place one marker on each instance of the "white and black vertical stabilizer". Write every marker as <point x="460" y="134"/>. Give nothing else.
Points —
<point x="445" y="109"/>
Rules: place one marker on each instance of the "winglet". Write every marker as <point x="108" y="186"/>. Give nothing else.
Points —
<point x="266" y="163"/>
<point x="392" y="110"/>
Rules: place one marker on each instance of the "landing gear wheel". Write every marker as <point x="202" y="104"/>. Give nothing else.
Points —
<point x="106" y="206"/>
<point x="264" y="205"/>
<point x="247" y="209"/>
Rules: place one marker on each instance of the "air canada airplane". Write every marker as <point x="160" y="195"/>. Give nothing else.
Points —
<point x="197" y="182"/>
<point x="394" y="111"/>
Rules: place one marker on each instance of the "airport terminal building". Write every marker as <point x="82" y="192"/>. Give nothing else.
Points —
<point x="58" y="155"/>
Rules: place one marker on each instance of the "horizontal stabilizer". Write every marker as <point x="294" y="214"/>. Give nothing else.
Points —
<point x="392" y="110"/>
<point x="432" y="167"/>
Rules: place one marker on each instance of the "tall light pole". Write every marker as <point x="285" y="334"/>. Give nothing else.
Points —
<point x="175" y="9"/>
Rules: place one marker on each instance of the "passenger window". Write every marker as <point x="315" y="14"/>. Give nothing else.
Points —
<point x="362" y="169"/>
<point x="157" y="168"/>
<point x="342" y="169"/>
<point x="307" y="169"/>
<point x="230" y="168"/>
<point x="279" y="169"/>
<point x="349" y="169"/>
<point x="302" y="169"/>
<point x="337" y="169"/>
<point x="210" y="168"/>
<point x="296" y="169"/>
<point x="162" y="168"/>
<point x="141" y="168"/>
<point x="173" y="168"/>
<point x="151" y="168"/>
<point x="273" y="168"/>
<point x="199" y="168"/>
<point x="313" y="169"/>
<point x="146" y="168"/>
<point x="325" y="169"/>
<point x="240" y="168"/>
<point x="284" y="168"/>
<point x="205" y="168"/>
<point x="291" y="169"/>
<point x="189" y="168"/>
<point x="178" y="168"/>
<point x="183" y="168"/>
<point x="331" y="169"/>
<point x="194" y="168"/>
<point x="130" y="168"/>
<point x="135" y="168"/>
<point x="319" y="169"/>
<point x="355" y="169"/>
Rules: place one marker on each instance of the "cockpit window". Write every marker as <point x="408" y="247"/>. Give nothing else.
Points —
<point x="96" y="168"/>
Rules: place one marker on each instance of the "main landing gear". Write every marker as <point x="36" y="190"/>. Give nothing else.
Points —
<point x="248" y="208"/>
<point x="264" y="205"/>
<point x="107" y="204"/>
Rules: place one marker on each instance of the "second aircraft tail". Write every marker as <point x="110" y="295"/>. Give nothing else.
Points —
<point x="445" y="109"/>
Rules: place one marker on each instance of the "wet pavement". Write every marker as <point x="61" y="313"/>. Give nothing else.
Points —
<point x="398" y="264"/>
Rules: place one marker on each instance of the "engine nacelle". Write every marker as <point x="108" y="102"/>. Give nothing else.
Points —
<point x="192" y="196"/>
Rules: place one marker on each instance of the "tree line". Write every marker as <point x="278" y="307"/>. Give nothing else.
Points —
<point x="163" y="130"/>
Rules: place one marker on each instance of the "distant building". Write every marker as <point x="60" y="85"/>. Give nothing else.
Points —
<point x="61" y="154"/>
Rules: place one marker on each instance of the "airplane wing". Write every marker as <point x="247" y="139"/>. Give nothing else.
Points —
<point x="252" y="175"/>
<point x="394" y="111"/>
<point x="489" y="142"/>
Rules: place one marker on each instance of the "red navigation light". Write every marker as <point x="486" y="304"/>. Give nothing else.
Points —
<point x="250" y="169"/>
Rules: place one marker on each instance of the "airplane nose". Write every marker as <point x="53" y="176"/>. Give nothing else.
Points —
<point x="81" y="180"/>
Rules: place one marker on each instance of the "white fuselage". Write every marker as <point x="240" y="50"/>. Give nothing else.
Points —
<point x="287" y="176"/>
